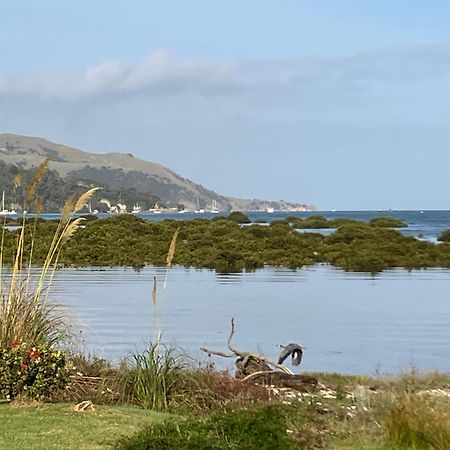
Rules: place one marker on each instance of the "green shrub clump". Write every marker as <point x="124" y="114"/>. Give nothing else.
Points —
<point x="255" y="429"/>
<point x="444" y="236"/>
<point x="239" y="217"/>
<point x="313" y="222"/>
<point x="34" y="372"/>
<point x="387" y="222"/>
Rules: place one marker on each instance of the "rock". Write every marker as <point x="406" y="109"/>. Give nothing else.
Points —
<point x="85" y="406"/>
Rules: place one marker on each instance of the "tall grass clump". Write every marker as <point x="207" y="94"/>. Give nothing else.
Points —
<point x="418" y="421"/>
<point x="27" y="319"/>
<point x="153" y="376"/>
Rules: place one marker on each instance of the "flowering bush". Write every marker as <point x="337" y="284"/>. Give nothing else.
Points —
<point x="31" y="371"/>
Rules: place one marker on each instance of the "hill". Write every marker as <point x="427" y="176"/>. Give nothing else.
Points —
<point x="121" y="172"/>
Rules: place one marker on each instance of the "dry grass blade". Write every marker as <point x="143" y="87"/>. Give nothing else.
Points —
<point x="31" y="190"/>
<point x="154" y="292"/>
<point x="84" y="199"/>
<point x="17" y="262"/>
<point x="39" y="205"/>
<point x="172" y="247"/>
<point x="25" y="320"/>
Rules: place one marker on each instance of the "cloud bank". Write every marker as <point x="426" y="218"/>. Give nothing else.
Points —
<point x="162" y="73"/>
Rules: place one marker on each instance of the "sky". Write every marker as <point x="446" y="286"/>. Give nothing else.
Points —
<point x="341" y="104"/>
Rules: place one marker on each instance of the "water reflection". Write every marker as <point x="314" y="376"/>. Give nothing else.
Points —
<point x="351" y="323"/>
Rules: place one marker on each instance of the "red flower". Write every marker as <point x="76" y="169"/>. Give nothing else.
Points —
<point x="23" y="366"/>
<point x="33" y="354"/>
<point x="15" y="343"/>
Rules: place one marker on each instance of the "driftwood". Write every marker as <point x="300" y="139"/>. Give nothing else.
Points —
<point x="257" y="368"/>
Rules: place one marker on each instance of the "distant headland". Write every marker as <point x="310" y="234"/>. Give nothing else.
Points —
<point x="129" y="184"/>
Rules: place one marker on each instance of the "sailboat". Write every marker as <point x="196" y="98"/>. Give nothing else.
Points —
<point x="199" y="210"/>
<point x="92" y="211"/>
<point x="156" y="209"/>
<point x="214" y="209"/>
<point x="4" y="211"/>
<point x="136" y="209"/>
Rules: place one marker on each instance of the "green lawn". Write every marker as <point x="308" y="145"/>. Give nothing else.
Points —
<point x="57" y="426"/>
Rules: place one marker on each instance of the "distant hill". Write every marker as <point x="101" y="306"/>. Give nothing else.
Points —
<point x="144" y="181"/>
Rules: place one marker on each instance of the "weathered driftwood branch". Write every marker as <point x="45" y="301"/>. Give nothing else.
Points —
<point x="258" y="374"/>
<point x="245" y="356"/>
<point x="217" y="353"/>
<point x="253" y="366"/>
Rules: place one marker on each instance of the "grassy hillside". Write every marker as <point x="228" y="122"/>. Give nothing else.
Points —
<point x="121" y="171"/>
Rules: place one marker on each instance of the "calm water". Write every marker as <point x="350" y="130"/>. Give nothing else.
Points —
<point x="350" y="323"/>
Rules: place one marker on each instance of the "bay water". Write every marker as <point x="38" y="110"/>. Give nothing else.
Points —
<point x="349" y="323"/>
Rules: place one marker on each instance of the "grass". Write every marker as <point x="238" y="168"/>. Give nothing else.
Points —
<point x="56" y="426"/>
<point x="25" y="314"/>
<point x="418" y="422"/>
<point x="212" y="410"/>
<point x="153" y="376"/>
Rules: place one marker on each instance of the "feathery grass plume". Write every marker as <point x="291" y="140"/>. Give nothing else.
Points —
<point x="25" y="313"/>
<point x="54" y="248"/>
<point x="171" y="254"/>
<point x="30" y="195"/>
<point x="68" y="232"/>
<point x="71" y="229"/>
<point x="68" y="209"/>
<point x="31" y="189"/>
<point x="17" y="180"/>
<point x="63" y="233"/>
<point x="38" y="208"/>
<point x="84" y="199"/>
<point x="172" y="247"/>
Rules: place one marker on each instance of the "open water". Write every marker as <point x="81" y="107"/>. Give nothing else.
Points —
<point x="422" y="224"/>
<point x="352" y="323"/>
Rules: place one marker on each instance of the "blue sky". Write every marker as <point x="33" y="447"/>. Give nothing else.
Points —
<point x="343" y="104"/>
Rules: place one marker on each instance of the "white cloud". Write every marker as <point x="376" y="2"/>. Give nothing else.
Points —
<point x="161" y="73"/>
